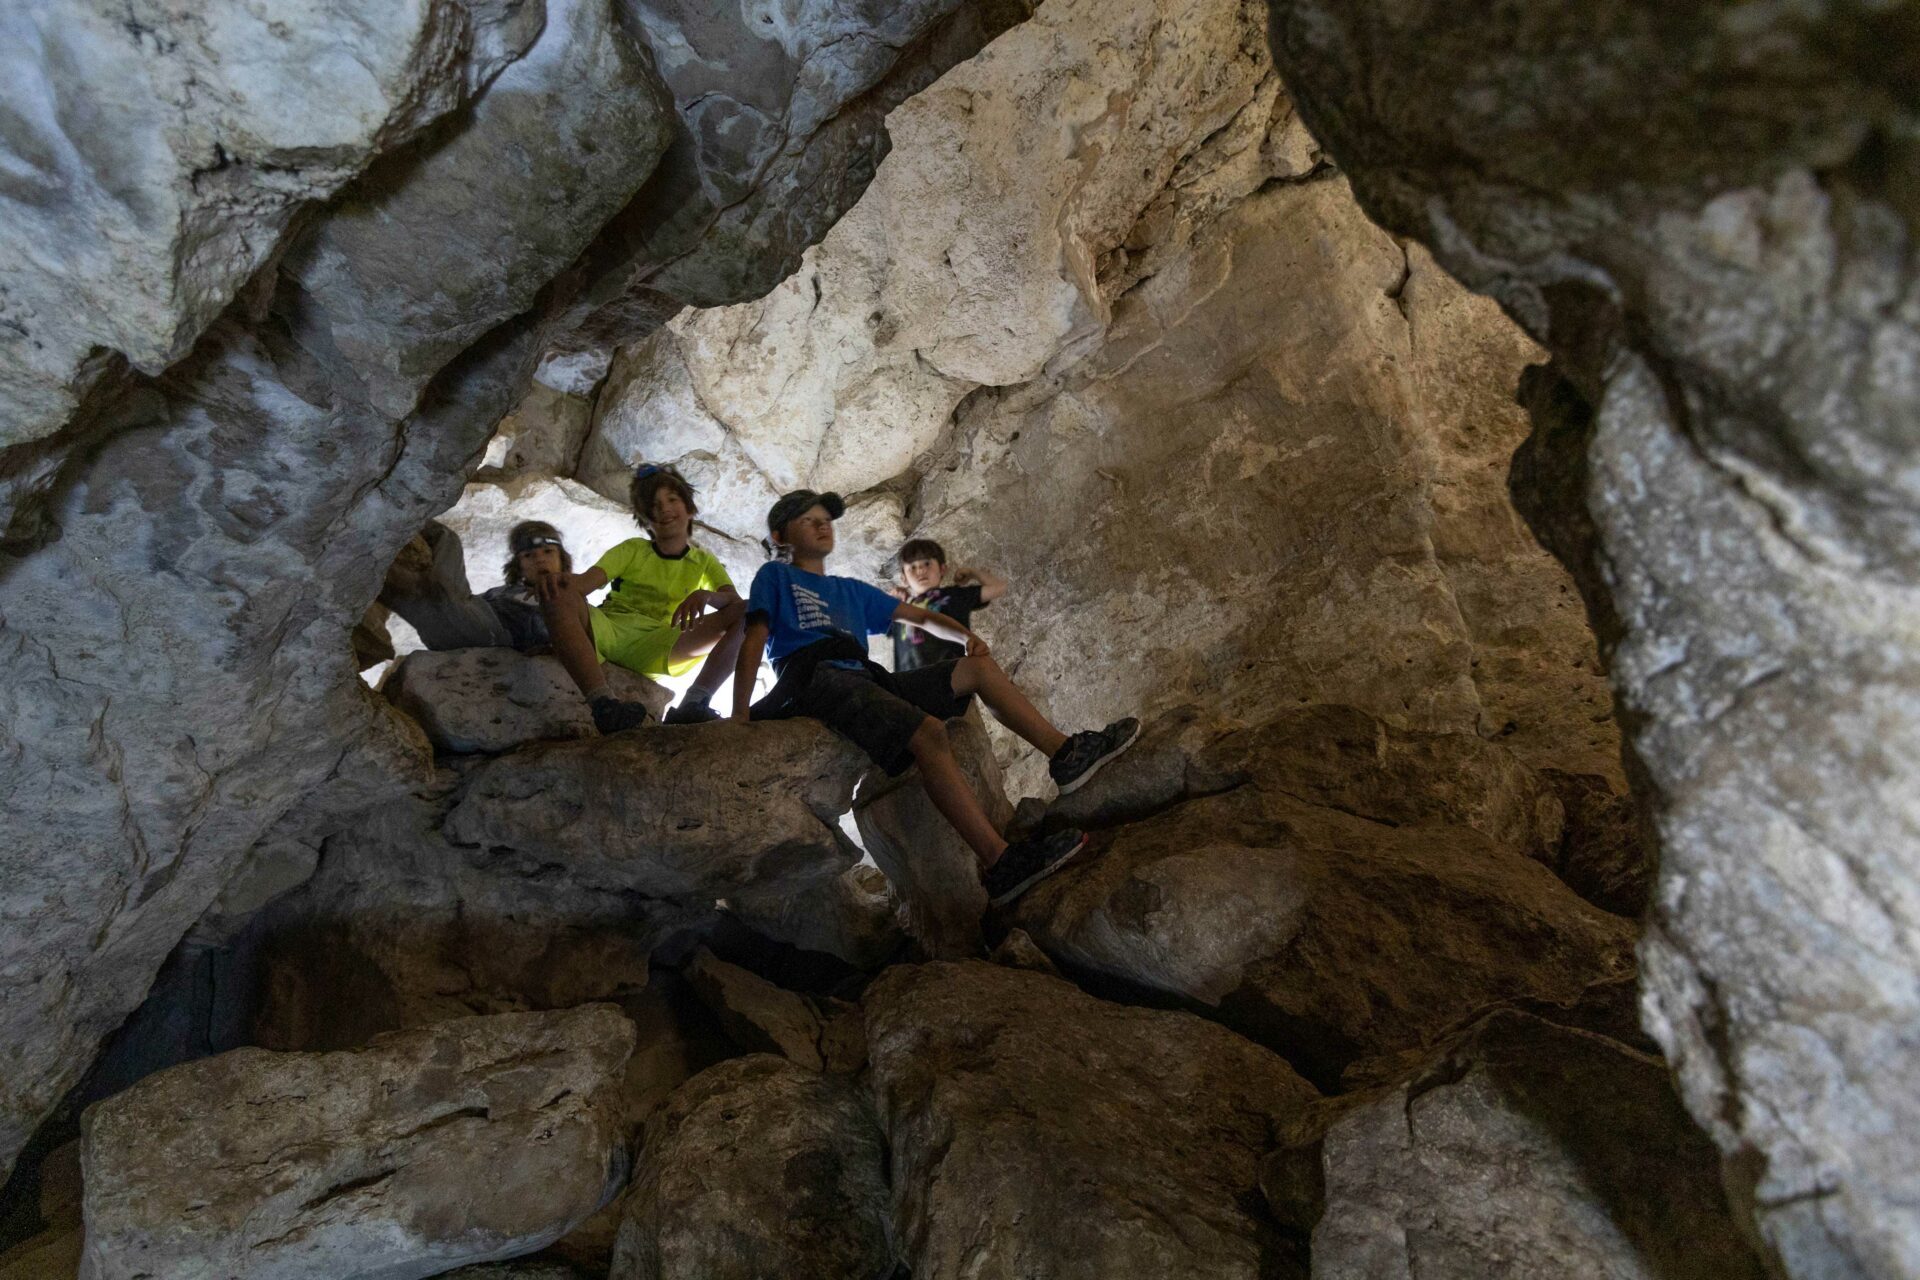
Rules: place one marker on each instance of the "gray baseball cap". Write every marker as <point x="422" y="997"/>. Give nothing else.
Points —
<point x="797" y="503"/>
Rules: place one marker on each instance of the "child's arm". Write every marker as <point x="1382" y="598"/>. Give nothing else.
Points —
<point x="549" y="586"/>
<point x="752" y="645"/>
<point x="698" y="602"/>
<point x="940" y="625"/>
<point x="992" y="585"/>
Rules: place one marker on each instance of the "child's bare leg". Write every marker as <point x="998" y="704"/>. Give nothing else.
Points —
<point x="571" y="628"/>
<point x="717" y="635"/>
<point x="1009" y="706"/>
<point x="947" y="788"/>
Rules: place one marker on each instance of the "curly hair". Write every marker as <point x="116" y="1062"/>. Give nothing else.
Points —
<point x="524" y="537"/>
<point x="648" y="481"/>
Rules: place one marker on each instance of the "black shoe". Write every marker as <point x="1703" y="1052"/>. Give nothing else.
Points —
<point x="1026" y="862"/>
<point x="1083" y="754"/>
<point x="612" y="715"/>
<point x="695" y="713"/>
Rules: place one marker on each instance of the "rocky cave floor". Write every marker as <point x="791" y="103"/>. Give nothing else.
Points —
<point x="1479" y="447"/>
<point x="638" y="1006"/>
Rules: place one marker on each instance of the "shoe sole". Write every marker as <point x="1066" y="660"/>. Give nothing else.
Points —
<point x="1101" y="763"/>
<point x="1042" y="873"/>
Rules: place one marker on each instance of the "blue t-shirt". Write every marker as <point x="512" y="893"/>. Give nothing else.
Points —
<point x="802" y="607"/>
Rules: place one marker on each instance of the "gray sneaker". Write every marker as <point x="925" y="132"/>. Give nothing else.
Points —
<point x="1027" y="862"/>
<point x="1085" y="753"/>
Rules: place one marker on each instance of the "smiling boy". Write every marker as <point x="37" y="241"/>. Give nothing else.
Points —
<point x="923" y="572"/>
<point x="671" y="604"/>
<point x="814" y="628"/>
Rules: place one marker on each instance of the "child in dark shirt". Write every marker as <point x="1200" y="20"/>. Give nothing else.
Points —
<point x="814" y="628"/>
<point x="923" y="568"/>
<point x="427" y="586"/>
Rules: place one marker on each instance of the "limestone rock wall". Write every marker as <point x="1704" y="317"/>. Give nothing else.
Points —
<point x="185" y="546"/>
<point x="1704" y="214"/>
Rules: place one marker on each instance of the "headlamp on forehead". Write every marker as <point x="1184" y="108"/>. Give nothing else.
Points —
<point x="538" y="540"/>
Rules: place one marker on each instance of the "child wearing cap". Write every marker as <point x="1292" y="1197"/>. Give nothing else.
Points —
<point x="427" y="586"/>
<point x="814" y="626"/>
<point x="671" y="605"/>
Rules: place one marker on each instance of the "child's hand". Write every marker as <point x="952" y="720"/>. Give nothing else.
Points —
<point x="690" y="609"/>
<point x="551" y="586"/>
<point x="741" y="715"/>
<point x="977" y="648"/>
<point x="966" y="577"/>
<point x="898" y="592"/>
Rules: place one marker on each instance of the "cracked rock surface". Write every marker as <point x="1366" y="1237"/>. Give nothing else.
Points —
<point x="469" y="1141"/>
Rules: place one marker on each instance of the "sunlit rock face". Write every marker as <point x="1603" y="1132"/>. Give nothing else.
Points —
<point x="1702" y="216"/>
<point x="188" y="549"/>
<point x="1106" y="322"/>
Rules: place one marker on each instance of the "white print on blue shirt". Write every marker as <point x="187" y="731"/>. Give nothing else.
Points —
<point x="811" y="609"/>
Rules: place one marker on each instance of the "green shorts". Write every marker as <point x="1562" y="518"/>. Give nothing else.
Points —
<point x="638" y="644"/>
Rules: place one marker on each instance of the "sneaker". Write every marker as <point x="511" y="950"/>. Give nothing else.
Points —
<point x="612" y="715"/>
<point x="1027" y="862"/>
<point x="696" y="713"/>
<point x="1084" y="753"/>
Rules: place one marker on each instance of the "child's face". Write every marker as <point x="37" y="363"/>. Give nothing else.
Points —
<point x="669" y="515"/>
<point x="535" y="561"/>
<point x="810" y="533"/>
<point x="922" y="575"/>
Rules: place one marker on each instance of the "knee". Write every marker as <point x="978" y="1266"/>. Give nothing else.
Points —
<point x="930" y="739"/>
<point x="735" y="614"/>
<point x="564" y="610"/>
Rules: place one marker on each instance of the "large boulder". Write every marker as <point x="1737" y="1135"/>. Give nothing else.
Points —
<point x="852" y="914"/>
<point x="399" y="927"/>
<point x="758" y="1167"/>
<point x="469" y="1141"/>
<point x="1697" y="211"/>
<point x="487" y="701"/>
<point x="934" y="873"/>
<point x="1037" y="1131"/>
<point x="695" y="813"/>
<point x="1523" y="1149"/>
<point x="1323" y="935"/>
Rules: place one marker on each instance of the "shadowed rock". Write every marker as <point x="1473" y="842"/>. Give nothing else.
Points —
<point x="470" y="1141"/>
<point x="758" y="1167"/>
<point x="1521" y="1149"/>
<point x="934" y="873"/>
<point x="1037" y="1131"/>
<point x="1323" y="935"/>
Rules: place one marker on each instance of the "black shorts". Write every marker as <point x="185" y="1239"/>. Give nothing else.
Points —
<point x="879" y="712"/>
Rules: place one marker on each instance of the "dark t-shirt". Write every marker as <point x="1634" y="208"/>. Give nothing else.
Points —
<point x="519" y="612"/>
<point x="914" y="648"/>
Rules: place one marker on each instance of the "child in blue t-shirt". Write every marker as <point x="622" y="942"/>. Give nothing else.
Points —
<point x="814" y="628"/>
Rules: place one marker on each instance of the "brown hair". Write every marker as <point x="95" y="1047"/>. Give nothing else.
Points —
<point x="920" y="549"/>
<point x="524" y="537"/>
<point x="647" y="481"/>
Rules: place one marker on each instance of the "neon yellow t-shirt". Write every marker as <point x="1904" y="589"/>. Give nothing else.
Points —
<point x="647" y="586"/>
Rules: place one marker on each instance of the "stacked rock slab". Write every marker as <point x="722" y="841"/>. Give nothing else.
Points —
<point x="1698" y="213"/>
<point x="1037" y="1131"/>
<point x="487" y="701"/>
<point x="758" y="1167"/>
<point x="470" y="1141"/>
